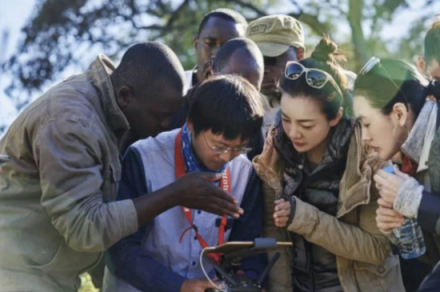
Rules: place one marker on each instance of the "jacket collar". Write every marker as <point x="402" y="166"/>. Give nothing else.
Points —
<point x="355" y="186"/>
<point x="98" y="74"/>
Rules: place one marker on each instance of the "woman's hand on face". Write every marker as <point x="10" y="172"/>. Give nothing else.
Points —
<point x="389" y="184"/>
<point x="282" y="212"/>
<point x="387" y="219"/>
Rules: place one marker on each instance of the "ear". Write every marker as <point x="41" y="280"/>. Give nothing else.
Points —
<point x="421" y="64"/>
<point x="196" y="42"/>
<point x="124" y="96"/>
<point x="399" y="114"/>
<point x="338" y="117"/>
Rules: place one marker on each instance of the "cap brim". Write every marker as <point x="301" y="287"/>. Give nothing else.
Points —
<point x="272" y="50"/>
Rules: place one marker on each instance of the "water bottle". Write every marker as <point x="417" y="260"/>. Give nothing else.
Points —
<point x="409" y="236"/>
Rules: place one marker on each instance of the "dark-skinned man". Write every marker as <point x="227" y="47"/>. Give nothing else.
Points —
<point x="57" y="191"/>
<point x="239" y="56"/>
<point x="216" y="28"/>
<point x="280" y="39"/>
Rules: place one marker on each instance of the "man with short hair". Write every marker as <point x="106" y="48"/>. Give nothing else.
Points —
<point x="164" y="256"/>
<point x="280" y="39"/>
<point x="216" y="28"/>
<point x="57" y="213"/>
<point x="239" y="56"/>
<point x="430" y="63"/>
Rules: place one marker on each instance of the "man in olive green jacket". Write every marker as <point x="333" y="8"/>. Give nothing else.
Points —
<point x="56" y="192"/>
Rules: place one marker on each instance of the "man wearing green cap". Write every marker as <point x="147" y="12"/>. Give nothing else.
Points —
<point x="280" y="39"/>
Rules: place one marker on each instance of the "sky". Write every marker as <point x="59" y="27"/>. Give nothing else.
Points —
<point x="15" y="14"/>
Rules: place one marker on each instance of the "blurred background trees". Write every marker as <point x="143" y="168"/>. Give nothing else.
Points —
<point x="69" y="33"/>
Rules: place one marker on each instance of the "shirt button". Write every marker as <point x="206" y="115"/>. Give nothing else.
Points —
<point x="381" y="269"/>
<point x="199" y="212"/>
<point x="195" y="237"/>
<point x="194" y="263"/>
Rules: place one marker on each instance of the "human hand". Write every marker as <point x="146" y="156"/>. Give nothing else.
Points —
<point x="196" y="285"/>
<point x="282" y="212"/>
<point x="196" y="191"/>
<point x="386" y="218"/>
<point x="389" y="184"/>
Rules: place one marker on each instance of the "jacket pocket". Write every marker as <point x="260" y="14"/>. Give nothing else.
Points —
<point x="385" y="277"/>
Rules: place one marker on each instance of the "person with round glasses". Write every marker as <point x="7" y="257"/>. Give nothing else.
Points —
<point x="317" y="185"/>
<point x="226" y="111"/>
<point x="400" y="114"/>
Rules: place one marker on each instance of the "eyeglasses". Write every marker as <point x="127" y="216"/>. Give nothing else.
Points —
<point x="371" y="64"/>
<point x="224" y="150"/>
<point x="315" y="78"/>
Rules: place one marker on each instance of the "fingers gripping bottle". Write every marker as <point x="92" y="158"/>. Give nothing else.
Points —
<point x="409" y="237"/>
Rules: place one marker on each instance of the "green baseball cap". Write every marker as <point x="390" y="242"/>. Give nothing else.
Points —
<point x="275" y="34"/>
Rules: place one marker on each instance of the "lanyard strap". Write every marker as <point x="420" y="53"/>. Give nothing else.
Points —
<point x="225" y="184"/>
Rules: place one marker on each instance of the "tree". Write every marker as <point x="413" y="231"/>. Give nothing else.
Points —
<point x="63" y="33"/>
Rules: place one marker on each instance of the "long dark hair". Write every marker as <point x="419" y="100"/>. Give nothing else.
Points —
<point x="394" y="81"/>
<point x="328" y="58"/>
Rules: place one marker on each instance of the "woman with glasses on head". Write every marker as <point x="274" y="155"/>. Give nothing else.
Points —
<point x="317" y="185"/>
<point x="399" y="111"/>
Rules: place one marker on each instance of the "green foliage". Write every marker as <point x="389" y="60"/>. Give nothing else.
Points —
<point x="66" y="32"/>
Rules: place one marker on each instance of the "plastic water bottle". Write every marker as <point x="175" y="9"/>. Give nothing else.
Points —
<point x="409" y="236"/>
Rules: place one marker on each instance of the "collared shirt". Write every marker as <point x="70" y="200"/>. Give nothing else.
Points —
<point x="153" y="259"/>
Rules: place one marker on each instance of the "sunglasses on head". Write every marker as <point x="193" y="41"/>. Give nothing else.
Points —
<point x="315" y="78"/>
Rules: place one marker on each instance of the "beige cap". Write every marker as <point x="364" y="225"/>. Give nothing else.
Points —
<point x="274" y="34"/>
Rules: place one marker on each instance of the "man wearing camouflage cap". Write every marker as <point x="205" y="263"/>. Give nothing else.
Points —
<point x="280" y="39"/>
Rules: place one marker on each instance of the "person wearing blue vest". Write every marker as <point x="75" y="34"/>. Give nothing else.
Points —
<point x="164" y="256"/>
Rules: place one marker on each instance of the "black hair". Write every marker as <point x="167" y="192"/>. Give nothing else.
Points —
<point x="147" y="67"/>
<point x="226" y="14"/>
<point x="228" y="105"/>
<point x="224" y="54"/>
<point x="394" y="81"/>
<point x="432" y="43"/>
<point x="326" y="57"/>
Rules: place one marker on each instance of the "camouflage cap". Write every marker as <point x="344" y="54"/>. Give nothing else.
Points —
<point x="275" y="34"/>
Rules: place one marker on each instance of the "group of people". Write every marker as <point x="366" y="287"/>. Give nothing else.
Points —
<point x="129" y="172"/>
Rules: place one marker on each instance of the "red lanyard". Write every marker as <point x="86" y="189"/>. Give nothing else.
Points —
<point x="225" y="184"/>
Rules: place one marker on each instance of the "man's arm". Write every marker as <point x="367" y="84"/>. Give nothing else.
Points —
<point x="250" y="225"/>
<point x="128" y="259"/>
<point x="69" y="158"/>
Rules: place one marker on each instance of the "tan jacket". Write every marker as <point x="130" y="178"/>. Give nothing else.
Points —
<point x="56" y="214"/>
<point x="363" y="254"/>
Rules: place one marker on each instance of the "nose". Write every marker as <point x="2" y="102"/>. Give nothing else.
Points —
<point x="294" y="133"/>
<point x="365" y="136"/>
<point x="214" y="51"/>
<point x="228" y="156"/>
<point x="266" y="70"/>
